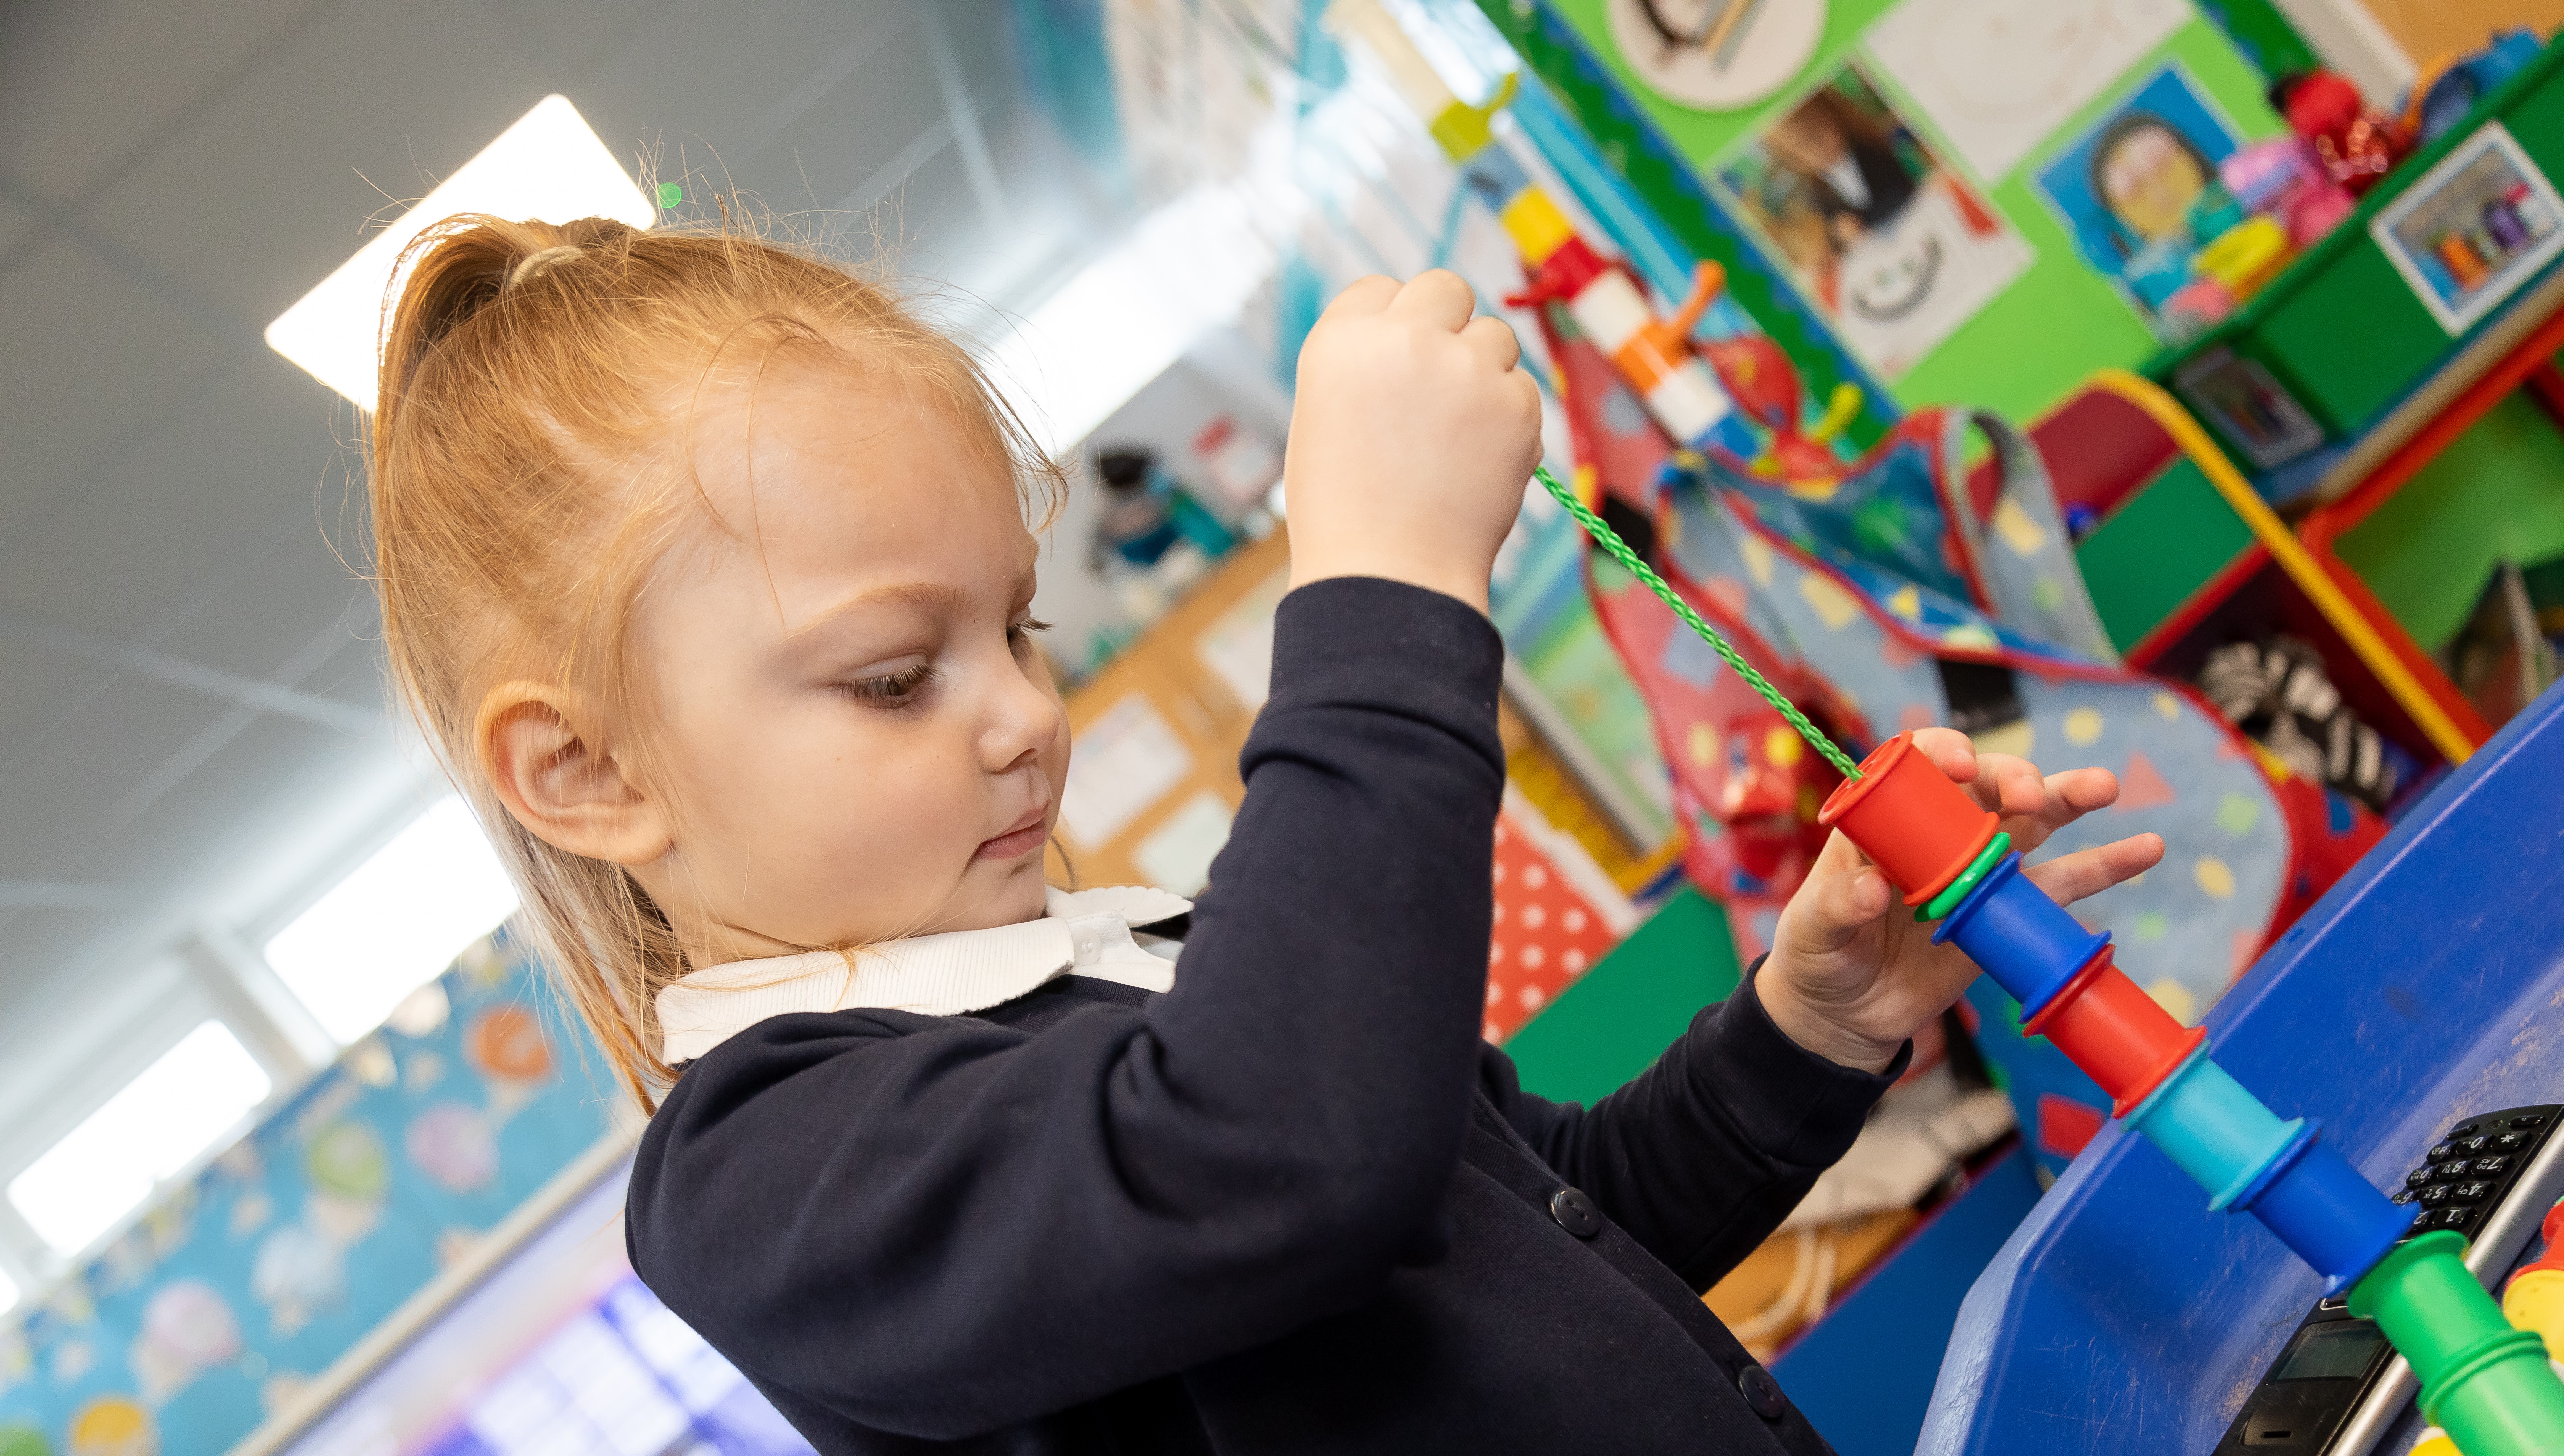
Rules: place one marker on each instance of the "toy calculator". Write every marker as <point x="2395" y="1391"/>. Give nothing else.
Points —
<point x="2336" y="1386"/>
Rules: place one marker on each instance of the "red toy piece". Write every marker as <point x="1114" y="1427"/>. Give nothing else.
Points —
<point x="2358" y="143"/>
<point x="1920" y="829"/>
<point x="2115" y="1032"/>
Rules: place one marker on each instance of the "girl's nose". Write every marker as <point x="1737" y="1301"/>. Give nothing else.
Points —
<point x="1022" y="719"/>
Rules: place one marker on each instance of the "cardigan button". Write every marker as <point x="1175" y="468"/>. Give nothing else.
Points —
<point x="1762" y="1392"/>
<point x="1576" y="1213"/>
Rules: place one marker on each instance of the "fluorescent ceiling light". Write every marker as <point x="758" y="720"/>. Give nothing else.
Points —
<point x="196" y="1093"/>
<point x="550" y="166"/>
<point x="394" y="923"/>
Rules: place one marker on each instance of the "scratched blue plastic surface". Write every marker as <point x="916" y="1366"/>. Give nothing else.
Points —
<point x="2124" y="1317"/>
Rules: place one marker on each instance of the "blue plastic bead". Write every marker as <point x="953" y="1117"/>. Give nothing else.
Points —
<point x="2330" y="1216"/>
<point x="2014" y="933"/>
<point x="2218" y="1133"/>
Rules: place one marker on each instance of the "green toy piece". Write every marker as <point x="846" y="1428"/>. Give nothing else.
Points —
<point x="2484" y="1382"/>
<point x="1940" y="905"/>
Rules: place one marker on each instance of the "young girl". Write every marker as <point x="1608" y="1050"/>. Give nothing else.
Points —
<point x="708" y="568"/>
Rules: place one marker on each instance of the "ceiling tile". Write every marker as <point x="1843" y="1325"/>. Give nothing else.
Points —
<point x="371" y="101"/>
<point x="37" y="685"/>
<point x="17" y="225"/>
<point x="91" y="356"/>
<point x="713" y="82"/>
<point x="285" y="600"/>
<point x="61" y="129"/>
<point x="242" y="466"/>
<point x="90" y="761"/>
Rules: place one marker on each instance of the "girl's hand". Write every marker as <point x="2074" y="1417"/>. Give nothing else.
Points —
<point x="1852" y="975"/>
<point x="1412" y="438"/>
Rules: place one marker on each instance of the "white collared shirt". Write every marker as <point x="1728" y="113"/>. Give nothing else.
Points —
<point x="1085" y="932"/>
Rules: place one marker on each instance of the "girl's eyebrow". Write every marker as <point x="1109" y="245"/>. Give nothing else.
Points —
<point x="933" y="596"/>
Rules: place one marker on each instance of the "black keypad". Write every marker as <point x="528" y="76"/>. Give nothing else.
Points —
<point x="2443" y="1151"/>
<point x="2406" y="1195"/>
<point x="2454" y="1217"/>
<point x="2437" y="1194"/>
<point x="2529" y="1120"/>
<point x="2486" y="1166"/>
<point x="2477" y="1144"/>
<point x="2470" y="1125"/>
<point x="2510" y="1142"/>
<point x="2474" y="1192"/>
<point x="2420" y="1176"/>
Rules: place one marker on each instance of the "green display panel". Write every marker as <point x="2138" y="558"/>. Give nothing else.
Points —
<point x="2496" y="494"/>
<point x="2341" y="330"/>
<point x="1613" y="1024"/>
<point x="2153" y="553"/>
<point x="2054" y="325"/>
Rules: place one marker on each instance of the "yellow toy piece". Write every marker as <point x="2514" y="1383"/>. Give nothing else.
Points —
<point x="2535" y="1301"/>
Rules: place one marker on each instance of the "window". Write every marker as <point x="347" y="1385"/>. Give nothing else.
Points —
<point x="549" y="165"/>
<point x="394" y="923"/>
<point x="180" y="1107"/>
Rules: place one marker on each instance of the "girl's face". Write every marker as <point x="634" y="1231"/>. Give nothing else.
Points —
<point x="2150" y="179"/>
<point x="855" y="737"/>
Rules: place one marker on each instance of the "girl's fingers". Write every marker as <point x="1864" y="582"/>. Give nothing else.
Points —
<point x="1365" y="295"/>
<point x="1438" y="296"/>
<point x="1832" y="908"/>
<point x="1493" y="338"/>
<point x="2069" y="796"/>
<point x="1949" y="751"/>
<point x="2009" y="785"/>
<point x="2088" y="872"/>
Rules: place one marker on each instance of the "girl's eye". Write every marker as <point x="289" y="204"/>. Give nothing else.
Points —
<point x="1020" y="632"/>
<point x="891" y="689"/>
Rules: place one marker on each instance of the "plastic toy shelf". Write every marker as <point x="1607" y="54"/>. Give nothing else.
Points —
<point x="2124" y="1316"/>
<point x="2186" y="558"/>
<point x="2339" y="333"/>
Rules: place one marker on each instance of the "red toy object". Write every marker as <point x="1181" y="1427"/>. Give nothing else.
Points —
<point x="1920" y="829"/>
<point x="2115" y="1032"/>
<point x="2358" y="143"/>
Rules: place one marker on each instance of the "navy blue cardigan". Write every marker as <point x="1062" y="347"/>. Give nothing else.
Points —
<point x="1293" y="1205"/>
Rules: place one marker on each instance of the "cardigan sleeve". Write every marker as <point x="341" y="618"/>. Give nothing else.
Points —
<point x="1700" y="1157"/>
<point x="943" y="1226"/>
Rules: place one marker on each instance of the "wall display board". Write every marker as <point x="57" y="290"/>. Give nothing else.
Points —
<point x="1718" y="54"/>
<point x="2054" y="319"/>
<point x="1894" y="247"/>
<point x="2000" y="76"/>
<point x="2474" y="228"/>
<point x="2125" y="186"/>
<point x="239" y="1286"/>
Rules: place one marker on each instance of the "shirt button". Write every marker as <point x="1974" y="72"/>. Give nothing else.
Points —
<point x="1576" y="1213"/>
<point x="1762" y="1392"/>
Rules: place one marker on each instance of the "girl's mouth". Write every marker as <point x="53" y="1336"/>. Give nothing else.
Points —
<point x="1026" y="836"/>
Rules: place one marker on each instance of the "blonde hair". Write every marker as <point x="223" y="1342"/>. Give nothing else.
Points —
<point x="529" y="463"/>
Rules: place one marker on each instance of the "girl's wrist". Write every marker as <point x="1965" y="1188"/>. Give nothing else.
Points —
<point x="1813" y="1030"/>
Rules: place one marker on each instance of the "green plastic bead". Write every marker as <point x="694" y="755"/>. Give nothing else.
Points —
<point x="2488" y="1384"/>
<point x="1948" y="900"/>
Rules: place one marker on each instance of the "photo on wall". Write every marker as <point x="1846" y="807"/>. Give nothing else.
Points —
<point x="2479" y="224"/>
<point x="1895" y="250"/>
<point x="2125" y="187"/>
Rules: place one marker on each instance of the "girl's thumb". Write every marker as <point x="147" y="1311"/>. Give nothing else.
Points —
<point x="1840" y="907"/>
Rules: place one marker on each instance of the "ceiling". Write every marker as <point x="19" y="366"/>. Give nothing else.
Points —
<point x="193" y="735"/>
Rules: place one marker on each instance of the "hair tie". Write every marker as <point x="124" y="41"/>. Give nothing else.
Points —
<point x="535" y="262"/>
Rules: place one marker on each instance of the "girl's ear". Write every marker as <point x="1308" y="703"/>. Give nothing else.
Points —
<point x="540" y="748"/>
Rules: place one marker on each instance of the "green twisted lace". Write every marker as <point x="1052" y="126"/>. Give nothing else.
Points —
<point x="1619" y="549"/>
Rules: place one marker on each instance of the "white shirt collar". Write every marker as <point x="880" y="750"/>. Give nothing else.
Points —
<point x="1087" y="933"/>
